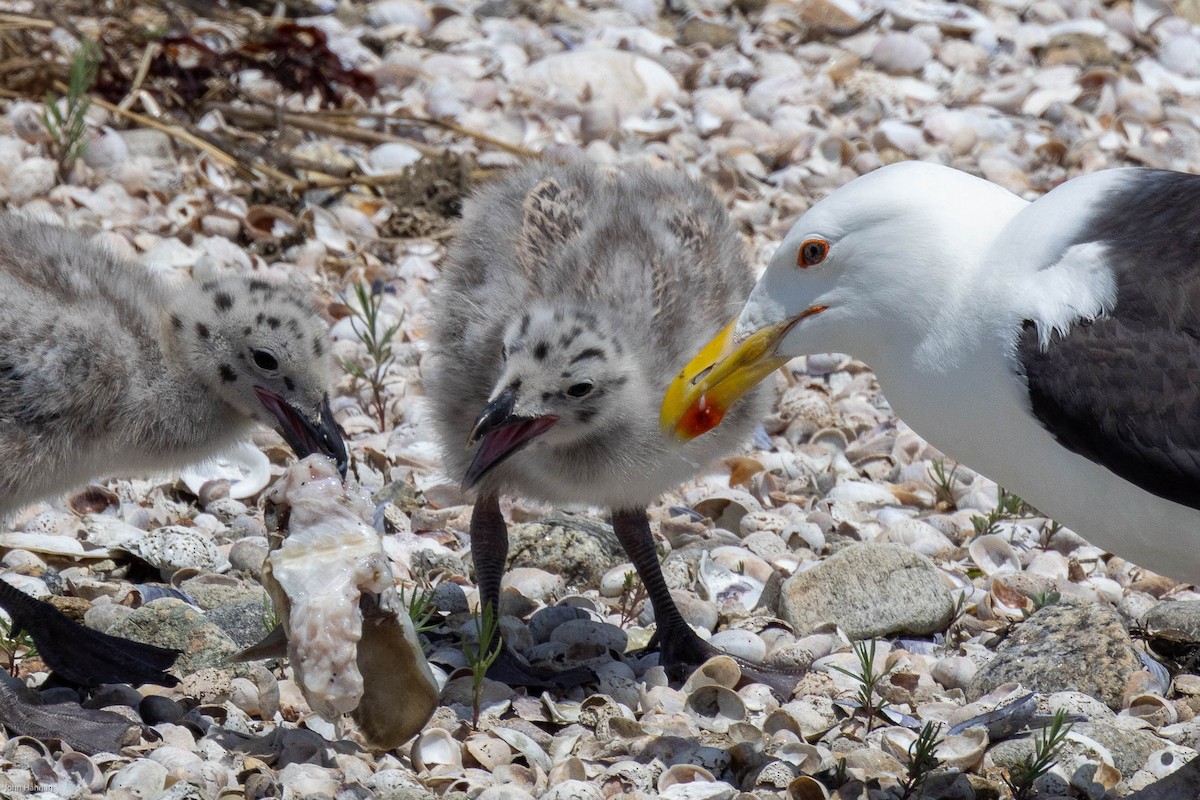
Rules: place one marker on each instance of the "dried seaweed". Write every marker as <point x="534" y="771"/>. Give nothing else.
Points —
<point x="184" y="70"/>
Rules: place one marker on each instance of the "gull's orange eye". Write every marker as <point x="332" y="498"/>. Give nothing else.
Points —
<point x="812" y="252"/>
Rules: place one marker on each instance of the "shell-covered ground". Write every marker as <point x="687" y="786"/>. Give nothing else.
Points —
<point x="333" y="142"/>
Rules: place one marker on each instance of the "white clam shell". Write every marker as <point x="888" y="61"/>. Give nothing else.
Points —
<point x="677" y="774"/>
<point x="434" y="748"/>
<point x="245" y="466"/>
<point x="963" y="750"/>
<point x="716" y="708"/>
<point x="994" y="555"/>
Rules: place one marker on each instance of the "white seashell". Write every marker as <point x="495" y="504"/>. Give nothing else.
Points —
<point x="805" y="787"/>
<point x="715" y="708"/>
<point x="245" y="466"/>
<point x="963" y="750"/>
<point x="33" y="177"/>
<point x="406" y="13"/>
<point x="53" y="545"/>
<point x="615" y="580"/>
<point x="30" y="585"/>
<point x="949" y="17"/>
<point x="175" y="547"/>
<point x="994" y="555"/>
<point x="169" y="254"/>
<point x="523" y="744"/>
<point x="329" y="231"/>
<point x="717" y="671"/>
<point x="436" y="748"/>
<point x="954" y="672"/>
<point x="269" y="223"/>
<point x="728" y="589"/>
<point x="26" y="121"/>
<point x="901" y="53"/>
<point x="678" y="774"/>
<point x="574" y="789"/>
<point x="488" y="751"/>
<point x="391" y="157"/>
<point x="106" y="150"/>
<point x="919" y="536"/>
<point x="728" y="507"/>
<point x="1152" y="709"/>
<point x="634" y="83"/>
<point x="143" y="777"/>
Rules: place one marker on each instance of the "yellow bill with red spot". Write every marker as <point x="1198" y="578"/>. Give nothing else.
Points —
<point x="701" y="394"/>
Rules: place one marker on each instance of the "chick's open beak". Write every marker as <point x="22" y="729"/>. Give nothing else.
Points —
<point x="503" y="432"/>
<point x="306" y="436"/>
<point x="701" y="394"/>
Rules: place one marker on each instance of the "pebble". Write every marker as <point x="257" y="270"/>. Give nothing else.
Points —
<point x="157" y="709"/>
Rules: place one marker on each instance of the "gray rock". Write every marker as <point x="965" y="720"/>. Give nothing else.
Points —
<point x="1067" y="646"/>
<point x="214" y="595"/>
<point x="1181" y="617"/>
<point x="248" y="555"/>
<point x="869" y="590"/>
<point x="901" y="52"/>
<point x="174" y="623"/>
<point x="543" y="623"/>
<point x="580" y="550"/>
<point x="1129" y="747"/>
<point x="242" y="622"/>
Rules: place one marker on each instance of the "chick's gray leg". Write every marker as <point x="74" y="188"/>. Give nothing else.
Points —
<point x="489" y="550"/>
<point x="680" y="649"/>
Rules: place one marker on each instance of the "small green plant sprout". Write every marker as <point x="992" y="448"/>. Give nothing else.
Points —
<point x="270" y="619"/>
<point x="66" y="118"/>
<point x="369" y="329"/>
<point x="837" y="775"/>
<point x="1042" y="599"/>
<point x="633" y="597"/>
<point x="1008" y="507"/>
<point x="943" y="482"/>
<point x="481" y="654"/>
<point x="921" y="761"/>
<point x="1020" y="779"/>
<point x="868" y="681"/>
<point x="421" y="609"/>
<point x="16" y="646"/>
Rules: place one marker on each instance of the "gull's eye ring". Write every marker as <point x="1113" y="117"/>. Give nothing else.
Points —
<point x="812" y="252"/>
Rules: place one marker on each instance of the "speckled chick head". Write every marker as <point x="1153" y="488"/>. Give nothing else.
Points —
<point x="264" y="350"/>
<point x="565" y="362"/>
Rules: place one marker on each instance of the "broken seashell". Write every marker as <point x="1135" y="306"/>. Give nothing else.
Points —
<point x="436" y="748"/>
<point x="351" y="642"/>
<point x="245" y="466"/>
<point x="962" y="751"/>
<point x="720" y="671"/>
<point x="807" y="788"/>
<point x="993" y="554"/>
<point x="683" y="773"/>
<point x="269" y="223"/>
<point x="716" y="708"/>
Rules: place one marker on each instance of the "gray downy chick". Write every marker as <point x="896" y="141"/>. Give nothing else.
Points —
<point x="569" y="300"/>
<point x="109" y="369"/>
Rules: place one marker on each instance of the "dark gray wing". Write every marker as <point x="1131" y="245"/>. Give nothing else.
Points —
<point x="1124" y="390"/>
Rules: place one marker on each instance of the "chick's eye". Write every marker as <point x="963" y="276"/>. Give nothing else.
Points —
<point x="264" y="360"/>
<point x="812" y="252"/>
<point x="580" y="389"/>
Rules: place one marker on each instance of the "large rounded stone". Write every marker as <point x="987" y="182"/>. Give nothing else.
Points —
<point x="1067" y="646"/>
<point x="869" y="590"/>
<point x="579" y="549"/>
